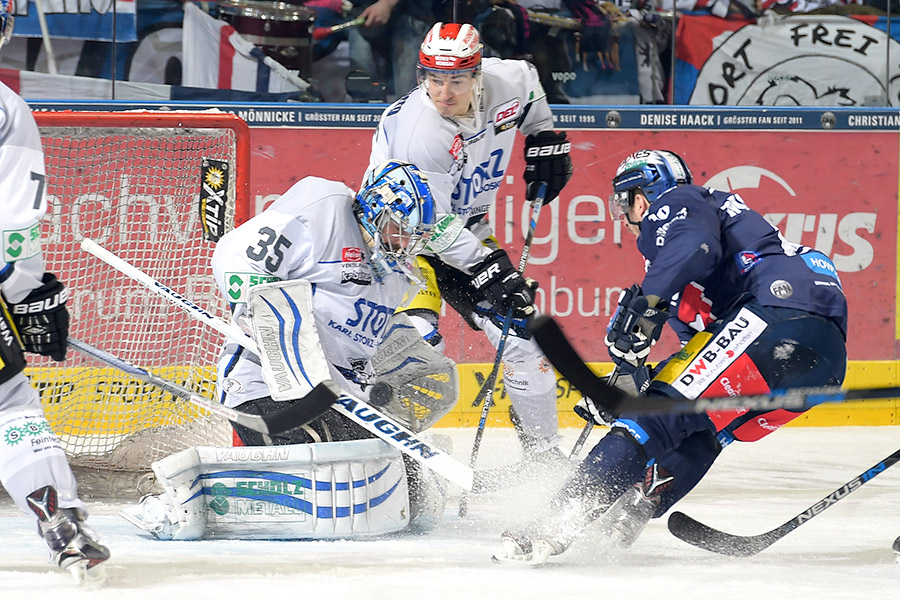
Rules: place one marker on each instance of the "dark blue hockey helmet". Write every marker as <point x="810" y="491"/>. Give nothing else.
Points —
<point x="396" y="209"/>
<point x="651" y="172"/>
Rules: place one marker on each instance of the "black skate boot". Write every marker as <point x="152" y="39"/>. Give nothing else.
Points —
<point x="627" y="517"/>
<point x="73" y="545"/>
<point x="896" y="548"/>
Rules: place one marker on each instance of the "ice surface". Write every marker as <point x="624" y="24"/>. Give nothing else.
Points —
<point x="844" y="552"/>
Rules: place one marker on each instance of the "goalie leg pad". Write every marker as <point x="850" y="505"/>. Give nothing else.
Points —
<point x="334" y="490"/>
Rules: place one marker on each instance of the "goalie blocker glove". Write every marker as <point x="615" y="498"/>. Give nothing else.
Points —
<point x="43" y="320"/>
<point x="634" y="328"/>
<point x="496" y="281"/>
<point x="547" y="160"/>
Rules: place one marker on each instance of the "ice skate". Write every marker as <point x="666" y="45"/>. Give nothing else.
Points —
<point x="569" y="512"/>
<point x="540" y="459"/>
<point x="517" y="549"/>
<point x="896" y="548"/>
<point x="627" y="517"/>
<point x="73" y="545"/>
<point x="153" y="514"/>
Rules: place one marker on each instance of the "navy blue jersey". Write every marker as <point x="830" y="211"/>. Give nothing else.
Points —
<point x="706" y="251"/>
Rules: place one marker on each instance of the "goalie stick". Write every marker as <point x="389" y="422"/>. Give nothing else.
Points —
<point x="485" y="394"/>
<point x="360" y="412"/>
<point x="560" y="352"/>
<point x="697" y="534"/>
<point x="299" y="413"/>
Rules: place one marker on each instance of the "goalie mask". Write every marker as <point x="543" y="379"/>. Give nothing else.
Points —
<point x="650" y="172"/>
<point x="395" y="210"/>
<point x="7" y="8"/>
<point x="450" y="67"/>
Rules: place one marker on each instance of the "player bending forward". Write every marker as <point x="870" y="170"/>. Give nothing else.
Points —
<point x="770" y="314"/>
<point x="329" y="478"/>
<point x="33" y="467"/>
<point x="459" y="126"/>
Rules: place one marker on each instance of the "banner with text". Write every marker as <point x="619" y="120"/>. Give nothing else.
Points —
<point x="105" y="20"/>
<point x="826" y="178"/>
<point x="797" y="60"/>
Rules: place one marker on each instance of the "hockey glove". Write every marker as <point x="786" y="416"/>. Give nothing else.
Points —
<point x="43" y="320"/>
<point x="547" y="160"/>
<point x="593" y="413"/>
<point x="634" y="328"/>
<point x="495" y="280"/>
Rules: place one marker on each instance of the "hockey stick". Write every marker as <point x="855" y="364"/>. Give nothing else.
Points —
<point x="320" y="33"/>
<point x="360" y="412"/>
<point x="485" y="394"/>
<point x="567" y="361"/>
<point x="697" y="534"/>
<point x="299" y="413"/>
<point x="589" y="426"/>
<point x="232" y="332"/>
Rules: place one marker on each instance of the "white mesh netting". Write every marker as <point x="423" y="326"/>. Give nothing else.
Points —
<point x="133" y="189"/>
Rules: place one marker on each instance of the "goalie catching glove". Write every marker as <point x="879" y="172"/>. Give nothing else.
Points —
<point x="42" y="319"/>
<point x="495" y="280"/>
<point x="547" y="160"/>
<point x="634" y="328"/>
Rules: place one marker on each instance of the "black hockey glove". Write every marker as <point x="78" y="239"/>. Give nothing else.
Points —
<point x="43" y="320"/>
<point x="547" y="160"/>
<point x="634" y="328"/>
<point x="496" y="281"/>
<point x="591" y="412"/>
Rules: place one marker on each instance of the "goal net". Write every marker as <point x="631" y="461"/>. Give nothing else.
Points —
<point x="156" y="189"/>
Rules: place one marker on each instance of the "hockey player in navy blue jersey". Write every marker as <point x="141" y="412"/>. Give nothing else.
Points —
<point x="753" y="311"/>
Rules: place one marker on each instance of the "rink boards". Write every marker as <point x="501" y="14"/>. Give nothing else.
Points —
<point x="827" y="178"/>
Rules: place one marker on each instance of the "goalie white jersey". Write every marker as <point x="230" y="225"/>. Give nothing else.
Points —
<point x="309" y="233"/>
<point x="22" y="187"/>
<point x="465" y="159"/>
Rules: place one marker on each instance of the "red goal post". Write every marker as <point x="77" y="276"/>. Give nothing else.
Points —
<point x="156" y="188"/>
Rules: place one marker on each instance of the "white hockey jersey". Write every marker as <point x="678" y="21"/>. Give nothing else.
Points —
<point x="465" y="159"/>
<point x="23" y="190"/>
<point x="309" y="233"/>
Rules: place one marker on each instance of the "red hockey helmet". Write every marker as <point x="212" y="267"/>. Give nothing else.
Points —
<point x="451" y="47"/>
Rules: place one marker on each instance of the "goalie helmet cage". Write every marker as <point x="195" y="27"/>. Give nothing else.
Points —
<point x="134" y="182"/>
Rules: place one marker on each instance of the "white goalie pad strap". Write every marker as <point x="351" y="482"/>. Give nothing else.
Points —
<point x="422" y="384"/>
<point x="285" y="332"/>
<point x="307" y="491"/>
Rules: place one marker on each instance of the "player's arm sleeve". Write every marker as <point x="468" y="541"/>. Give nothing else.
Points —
<point x="537" y="116"/>
<point x="23" y="189"/>
<point x="688" y="250"/>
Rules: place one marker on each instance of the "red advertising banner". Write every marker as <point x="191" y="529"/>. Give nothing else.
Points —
<point x="836" y="191"/>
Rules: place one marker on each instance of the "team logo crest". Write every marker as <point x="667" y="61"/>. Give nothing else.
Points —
<point x="747" y="259"/>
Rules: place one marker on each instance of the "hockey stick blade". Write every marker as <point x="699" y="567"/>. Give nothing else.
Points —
<point x="299" y="413"/>
<point x="560" y="352"/>
<point x="703" y="536"/>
